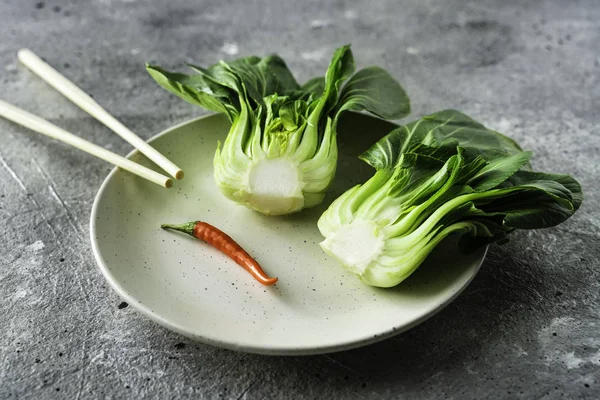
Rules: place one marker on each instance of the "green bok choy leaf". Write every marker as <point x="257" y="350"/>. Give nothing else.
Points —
<point x="443" y="174"/>
<point x="281" y="152"/>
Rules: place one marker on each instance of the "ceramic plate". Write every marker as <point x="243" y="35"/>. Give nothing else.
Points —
<point x="191" y="288"/>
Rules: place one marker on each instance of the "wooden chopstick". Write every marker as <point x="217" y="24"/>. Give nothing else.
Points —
<point x="89" y="105"/>
<point x="44" y="127"/>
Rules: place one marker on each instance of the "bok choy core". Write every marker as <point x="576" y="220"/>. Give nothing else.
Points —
<point x="280" y="155"/>
<point x="443" y="174"/>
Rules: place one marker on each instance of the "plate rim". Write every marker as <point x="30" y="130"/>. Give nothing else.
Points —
<point x="273" y="350"/>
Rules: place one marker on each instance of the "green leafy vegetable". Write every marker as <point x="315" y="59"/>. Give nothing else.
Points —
<point x="280" y="155"/>
<point x="443" y="174"/>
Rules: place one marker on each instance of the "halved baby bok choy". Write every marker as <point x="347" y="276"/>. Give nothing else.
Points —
<point x="280" y="155"/>
<point x="441" y="175"/>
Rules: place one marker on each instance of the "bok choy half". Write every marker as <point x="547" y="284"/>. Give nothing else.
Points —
<point x="281" y="152"/>
<point x="442" y="175"/>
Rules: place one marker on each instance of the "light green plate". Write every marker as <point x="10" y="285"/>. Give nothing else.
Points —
<point x="191" y="288"/>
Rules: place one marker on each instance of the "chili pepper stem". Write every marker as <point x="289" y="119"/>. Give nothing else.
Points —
<point x="185" y="228"/>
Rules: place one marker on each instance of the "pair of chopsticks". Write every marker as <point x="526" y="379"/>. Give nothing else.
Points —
<point x="86" y="103"/>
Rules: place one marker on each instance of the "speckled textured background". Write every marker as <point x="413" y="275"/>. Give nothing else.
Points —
<point x="527" y="327"/>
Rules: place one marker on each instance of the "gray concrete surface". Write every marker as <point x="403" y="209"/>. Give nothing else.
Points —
<point x="527" y="327"/>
